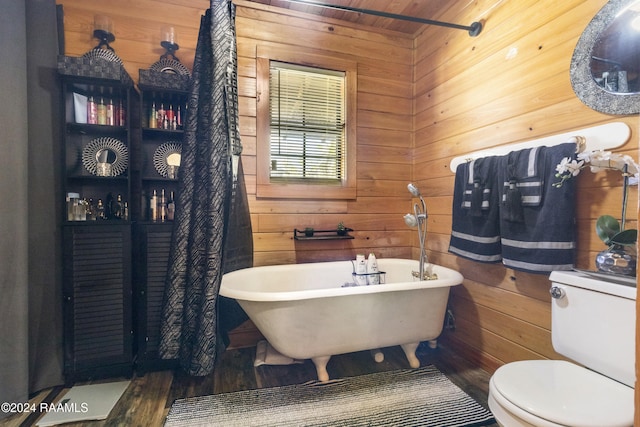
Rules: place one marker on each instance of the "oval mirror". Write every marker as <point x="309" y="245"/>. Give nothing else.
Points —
<point x="104" y="155"/>
<point x="174" y="159"/>
<point x="605" y="67"/>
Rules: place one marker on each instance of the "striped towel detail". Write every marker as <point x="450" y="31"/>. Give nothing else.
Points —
<point x="474" y="184"/>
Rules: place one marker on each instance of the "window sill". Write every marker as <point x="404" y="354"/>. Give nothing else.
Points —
<point x="302" y="191"/>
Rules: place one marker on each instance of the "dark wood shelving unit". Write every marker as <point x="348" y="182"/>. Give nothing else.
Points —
<point x="152" y="237"/>
<point x="97" y="288"/>
<point x="114" y="270"/>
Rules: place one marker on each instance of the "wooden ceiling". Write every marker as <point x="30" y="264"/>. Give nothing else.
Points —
<point x="414" y="8"/>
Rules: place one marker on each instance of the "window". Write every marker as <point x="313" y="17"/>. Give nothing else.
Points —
<point x="305" y="126"/>
<point x="307" y="123"/>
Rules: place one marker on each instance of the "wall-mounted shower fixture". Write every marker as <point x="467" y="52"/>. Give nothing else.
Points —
<point x="419" y="219"/>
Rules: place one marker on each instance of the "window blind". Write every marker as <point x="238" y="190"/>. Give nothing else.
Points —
<point x="307" y="122"/>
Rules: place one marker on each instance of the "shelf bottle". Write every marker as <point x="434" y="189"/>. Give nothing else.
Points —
<point x="102" y="112"/>
<point x="118" y="207"/>
<point x="170" y="118"/>
<point x="92" y="111"/>
<point x="153" y="206"/>
<point x="171" y="207"/>
<point x="122" y="114"/>
<point x="153" y="116"/>
<point x="100" y="210"/>
<point x="91" y="211"/>
<point x="162" y="207"/>
<point x="160" y="116"/>
<point x="111" y="116"/>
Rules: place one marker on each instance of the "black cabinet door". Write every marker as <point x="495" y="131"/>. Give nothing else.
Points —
<point x="151" y="264"/>
<point x="98" y="301"/>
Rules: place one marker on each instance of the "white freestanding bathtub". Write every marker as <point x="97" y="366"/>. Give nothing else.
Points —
<point x="305" y="311"/>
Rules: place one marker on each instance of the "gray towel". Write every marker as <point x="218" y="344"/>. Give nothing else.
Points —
<point x="545" y="238"/>
<point x="475" y="230"/>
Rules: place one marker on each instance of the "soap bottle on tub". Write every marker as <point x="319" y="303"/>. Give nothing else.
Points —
<point x="360" y="275"/>
<point x="373" y="276"/>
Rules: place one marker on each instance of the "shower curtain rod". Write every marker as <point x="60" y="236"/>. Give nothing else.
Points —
<point x="474" y="29"/>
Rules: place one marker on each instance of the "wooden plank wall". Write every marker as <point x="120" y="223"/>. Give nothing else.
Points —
<point x="384" y="119"/>
<point x="446" y="94"/>
<point x="384" y="142"/>
<point x="136" y="25"/>
<point x="509" y="84"/>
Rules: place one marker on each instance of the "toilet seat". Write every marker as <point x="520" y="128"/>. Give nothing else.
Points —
<point x="560" y="393"/>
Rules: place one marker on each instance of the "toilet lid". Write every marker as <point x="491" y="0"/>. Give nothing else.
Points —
<point x="564" y="393"/>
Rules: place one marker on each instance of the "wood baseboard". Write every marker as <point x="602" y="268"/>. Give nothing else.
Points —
<point x="471" y="354"/>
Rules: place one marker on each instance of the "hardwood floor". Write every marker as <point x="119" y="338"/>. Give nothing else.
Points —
<point x="148" y="398"/>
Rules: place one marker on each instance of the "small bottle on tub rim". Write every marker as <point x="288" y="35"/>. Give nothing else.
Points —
<point x="373" y="276"/>
<point x="360" y="275"/>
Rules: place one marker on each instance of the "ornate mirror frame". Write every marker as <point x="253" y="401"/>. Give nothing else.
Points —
<point x="584" y="85"/>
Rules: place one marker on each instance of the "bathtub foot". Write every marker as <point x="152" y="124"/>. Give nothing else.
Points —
<point x="321" y="367"/>
<point x="377" y="354"/>
<point x="410" y="352"/>
<point x="433" y="343"/>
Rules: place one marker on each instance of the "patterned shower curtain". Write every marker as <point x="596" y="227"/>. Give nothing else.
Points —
<point x="212" y="228"/>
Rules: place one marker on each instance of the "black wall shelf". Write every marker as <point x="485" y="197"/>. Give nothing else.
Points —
<point x="322" y="235"/>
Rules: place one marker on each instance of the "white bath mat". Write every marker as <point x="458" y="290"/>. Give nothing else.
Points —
<point x="85" y="402"/>
<point x="267" y="355"/>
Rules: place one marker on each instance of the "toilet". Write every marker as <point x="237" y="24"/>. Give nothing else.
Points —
<point x="593" y="324"/>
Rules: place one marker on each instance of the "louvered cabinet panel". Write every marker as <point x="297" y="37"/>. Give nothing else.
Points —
<point x="152" y="262"/>
<point x="98" y="301"/>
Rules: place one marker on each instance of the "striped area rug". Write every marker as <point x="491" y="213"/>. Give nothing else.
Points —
<point x="408" y="397"/>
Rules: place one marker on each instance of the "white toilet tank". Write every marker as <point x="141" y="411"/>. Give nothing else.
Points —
<point x="593" y="323"/>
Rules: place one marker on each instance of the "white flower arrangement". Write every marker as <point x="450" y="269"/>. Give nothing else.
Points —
<point x="610" y="231"/>
<point x="597" y="160"/>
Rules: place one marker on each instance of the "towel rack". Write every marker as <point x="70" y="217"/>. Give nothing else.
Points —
<point x="602" y="137"/>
